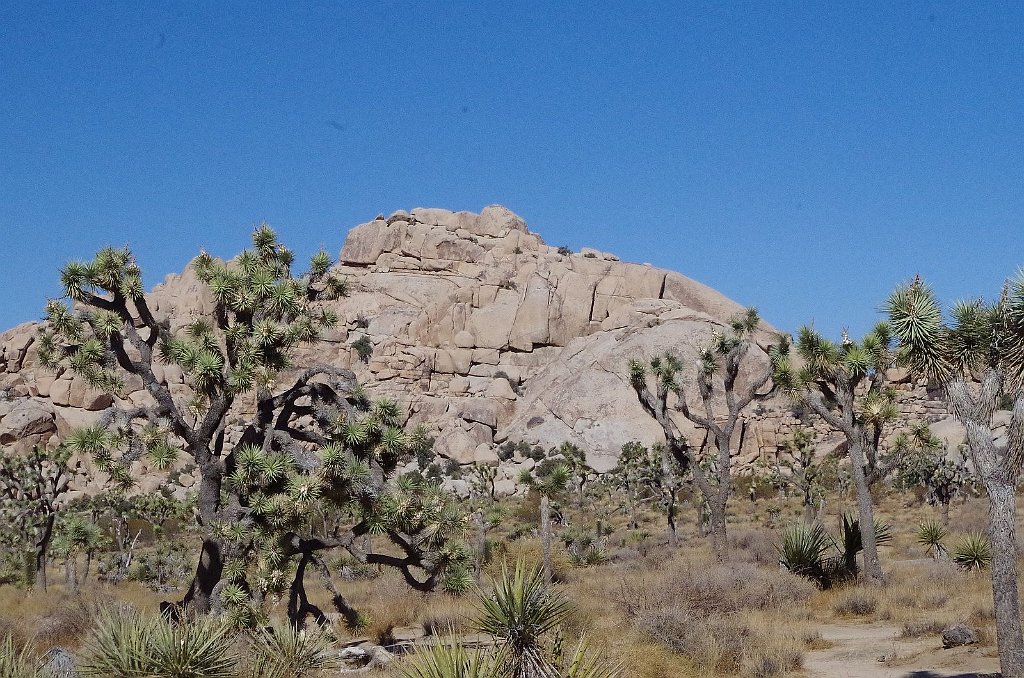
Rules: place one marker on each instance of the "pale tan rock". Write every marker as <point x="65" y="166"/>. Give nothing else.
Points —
<point x="29" y="417"/>
<point x="500" y="388"/>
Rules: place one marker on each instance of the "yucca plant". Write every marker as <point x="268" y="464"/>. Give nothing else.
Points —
<point x="282" y="651"/>
<point x="520" y="613"/>
<point x="973" y="552"/>
<point x="18" y="662"/>
<point x="127" y="644"/>
<point x="584" y="663"/>
<point x="930" y="535"/>
<point x="810" y="551"/>
<point x="803" y="551"/>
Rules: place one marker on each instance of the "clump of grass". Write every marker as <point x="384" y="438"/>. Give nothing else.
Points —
<point x="920" y="629"/>
<point x="856" y="603"/>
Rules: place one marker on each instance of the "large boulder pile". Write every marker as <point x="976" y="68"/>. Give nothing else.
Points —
<point x="485" y="334"/>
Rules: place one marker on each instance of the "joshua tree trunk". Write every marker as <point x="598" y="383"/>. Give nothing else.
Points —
<point x="1005" y="596"/>
<point x="42" y="548"/>
<point x="480" y="535"/>
<point x="208" y="573"/>
<point x="211" y="556"/>
<point x="719" y="536"/>
<point x="673" y="536"/>
<point x="545" y="535"/>
<point x="866" y="516"/>
<point x="71" y="573"/>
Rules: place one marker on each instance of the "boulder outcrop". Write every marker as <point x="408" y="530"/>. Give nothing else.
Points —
<point x="485" y="333"/>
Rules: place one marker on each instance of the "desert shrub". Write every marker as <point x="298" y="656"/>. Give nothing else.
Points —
<point x="920" y="629"/>
<point x="756" y="546"/>
<point x="564" y="250"/>
<point x="282" y="651"/>
<point x="69" y="621"/>
<point x="364" y="347"/>
<point x="856" y="603"/>
<point x="973" y="552"/>
<point x="506" y="450"/>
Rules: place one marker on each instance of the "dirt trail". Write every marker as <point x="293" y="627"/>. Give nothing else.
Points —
<point x="857" y="648"/>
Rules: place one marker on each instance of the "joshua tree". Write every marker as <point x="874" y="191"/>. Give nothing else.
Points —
<point x="803" y="471"/>
<point x="32" y="485"/>
<point x="644" y="472"/>
<point x="576" y="461"/>
<point x="75" y="535"/>
<point x="549" y="480"/>
<point x="845" y="384"/>
<point x="483" y="479"/>
<point x="978" y="359"/>
<point x="717" y="373"/>
<point x="315" y="442"/>
<point x="925" y="462"/>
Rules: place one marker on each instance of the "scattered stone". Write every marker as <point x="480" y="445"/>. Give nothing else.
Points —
<point x="958" y="635"/>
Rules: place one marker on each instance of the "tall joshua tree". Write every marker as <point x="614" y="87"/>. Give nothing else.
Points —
<point x="717" y="374"/>
<point x="845" y="384"/>
<point x="261" y="313"/>
<point x="978" y="358"/>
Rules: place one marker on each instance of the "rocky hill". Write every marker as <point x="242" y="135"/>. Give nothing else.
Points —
<point x="484" y="332"/>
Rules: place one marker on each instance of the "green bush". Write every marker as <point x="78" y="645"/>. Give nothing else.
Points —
<point x="364" y="347"/>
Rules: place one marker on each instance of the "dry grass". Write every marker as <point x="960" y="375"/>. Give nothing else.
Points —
<point x="666" y="614"/>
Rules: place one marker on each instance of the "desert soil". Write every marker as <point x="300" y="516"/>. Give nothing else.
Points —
<point x="876" y="651"/>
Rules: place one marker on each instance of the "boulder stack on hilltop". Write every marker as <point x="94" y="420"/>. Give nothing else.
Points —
<point x="481" y="330"/>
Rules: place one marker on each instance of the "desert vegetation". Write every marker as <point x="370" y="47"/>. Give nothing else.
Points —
<point x="324" y="534"/>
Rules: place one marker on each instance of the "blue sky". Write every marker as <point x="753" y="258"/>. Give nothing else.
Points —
<point x="801" y="157"/>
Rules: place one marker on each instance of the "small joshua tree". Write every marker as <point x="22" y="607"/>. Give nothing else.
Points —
<point x="549" y="481"/>
<point x="803" y="471"/>
<point x="644" y="473"/>
<point x="32" y="489"/>
<point x="925" y="462"/>
<point x="716" y="374"/>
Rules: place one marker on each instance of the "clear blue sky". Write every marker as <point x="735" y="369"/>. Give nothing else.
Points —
<point x="801" y="157"/>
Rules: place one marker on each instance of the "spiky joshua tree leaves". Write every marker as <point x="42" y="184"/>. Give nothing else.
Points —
<point x="845" y="384"/>
<point x="316" y="446"/>
<point x="716" y="378"/>
<point x="977" y="355"/>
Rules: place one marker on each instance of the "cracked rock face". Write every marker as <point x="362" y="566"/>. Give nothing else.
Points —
<point x="479" y="328"/>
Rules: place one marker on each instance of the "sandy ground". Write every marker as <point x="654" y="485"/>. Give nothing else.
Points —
<point x="875" y="651"/>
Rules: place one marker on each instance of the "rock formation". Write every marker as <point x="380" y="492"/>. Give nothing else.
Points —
<point x="479" y="328"/>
